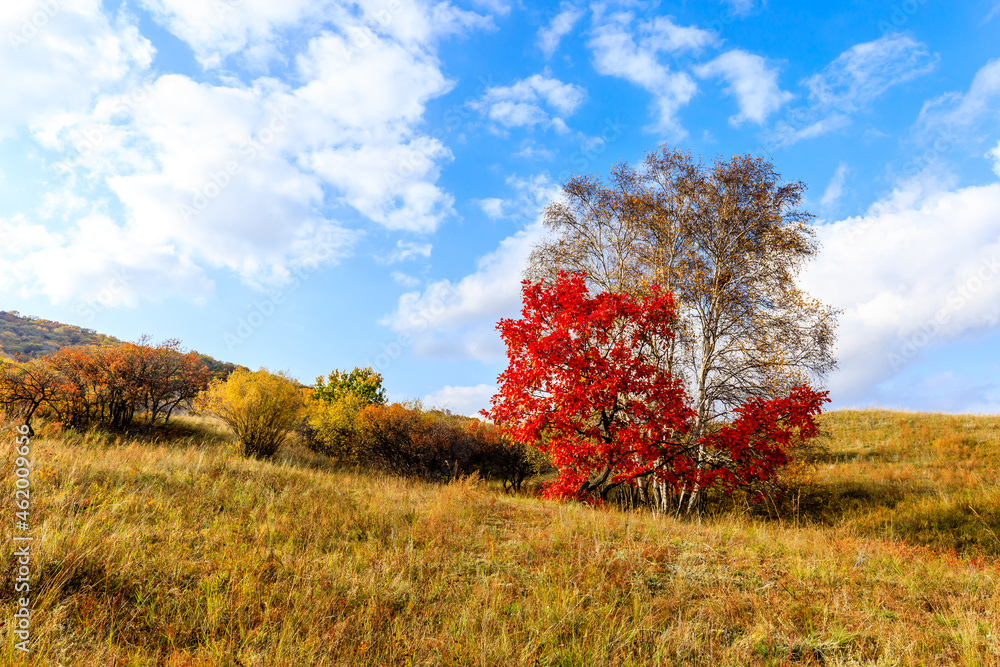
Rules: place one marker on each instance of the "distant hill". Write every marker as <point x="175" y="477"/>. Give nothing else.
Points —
<point x="24" y="337"/>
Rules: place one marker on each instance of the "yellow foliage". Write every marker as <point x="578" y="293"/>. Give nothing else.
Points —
<point x="333" y="423"/>
<point x="260" y="407"/>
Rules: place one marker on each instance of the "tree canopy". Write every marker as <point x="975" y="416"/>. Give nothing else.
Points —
<point x="727" y="240"/>
<point x="584" y="383"/>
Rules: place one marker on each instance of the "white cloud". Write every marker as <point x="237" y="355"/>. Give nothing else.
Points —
<point x="463" y="314"/>
<point x="849" y="84"/>
<point x="520" y="104"/>
<point x="741" y="7"/>
<point x="461" y="400"/>
<point x="457" y="319"/>
<point x="631" y="54"/>
<point x="533" y="151"/>
<point x="921" y="268"/>
<point x="995" y="154"/>
<point x="406" y="250"/>
<point x="955" y="116"/>
<point x="751" y="82"/>
<point x="866" y="71"/>
<point x="404" y="279"/>
<point x="58" y="64"/>
<point x="662" y="35"/>
<point x="219" y="28"/>
<point x="492" y="207"/>
<point x="201" y="172"/>
<point x="253" y="29"/>
<point x="245" y="177"/>
<point x="835" y="188"/>
<point x="560" y="26"/>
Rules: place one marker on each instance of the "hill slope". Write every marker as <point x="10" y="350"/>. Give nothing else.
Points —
<point x="179" y="553"/>
<point x="23" y="338"/>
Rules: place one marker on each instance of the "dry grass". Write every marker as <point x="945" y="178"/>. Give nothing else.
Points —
<point x="181" y="553"/>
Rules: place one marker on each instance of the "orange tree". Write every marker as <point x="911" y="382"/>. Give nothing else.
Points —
<point x="584" y="385"/>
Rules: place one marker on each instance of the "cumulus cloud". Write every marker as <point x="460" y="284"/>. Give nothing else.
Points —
<point x="57" y="57"/>
<point x="463" y="314"/>
<point x="849" y="84"/>
<point x="254" y="28"/>
<point x="631" y="53"/>
<point x="254" y="177"/>
<point x="406" y="250"/>
<point x="461" y="400"/>
<point x="560" y="26"/>
<point x="492" y="207"/>
<point x="940" y="282"/>
<point x="521" y="103"/>
<point x="750" y="81"/>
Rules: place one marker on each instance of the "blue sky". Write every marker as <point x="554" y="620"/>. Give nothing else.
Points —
<point x="319" y="184"/>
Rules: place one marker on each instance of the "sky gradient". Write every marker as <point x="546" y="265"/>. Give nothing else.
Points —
<point x="314" y="184"/>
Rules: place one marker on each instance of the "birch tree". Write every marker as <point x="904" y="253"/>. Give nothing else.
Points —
<point x="728" y="240"/>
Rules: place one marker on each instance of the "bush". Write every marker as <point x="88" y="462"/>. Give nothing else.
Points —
<point x="500" y="458"/>
<point x="110" y="386"/>
<point x="408" y="441"/>
<point x="260" y="407"/>
<point x="328" y="426"/>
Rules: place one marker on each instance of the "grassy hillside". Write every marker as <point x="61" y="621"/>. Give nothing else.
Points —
<point x="177" y="552"/>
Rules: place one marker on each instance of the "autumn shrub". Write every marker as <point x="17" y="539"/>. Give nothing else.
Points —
<point x="110" y="386"/>
<point x="407" y="441"/>
<point x="260" y="407"/>
<point x="499" y="457"/>
<point x="328" y="426"/>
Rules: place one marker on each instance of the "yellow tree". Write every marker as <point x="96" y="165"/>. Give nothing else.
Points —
<point x="728" y="240"/>
<point x="260" y="407"/>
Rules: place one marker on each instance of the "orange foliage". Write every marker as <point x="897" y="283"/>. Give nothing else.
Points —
<point x="108" y="386"/>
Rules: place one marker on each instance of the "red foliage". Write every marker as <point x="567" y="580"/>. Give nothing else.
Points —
<point x="757" y="442"/>
<point x="583" y="383"/>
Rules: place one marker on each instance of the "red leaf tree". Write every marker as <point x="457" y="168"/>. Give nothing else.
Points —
<point x="584" y="384"/>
